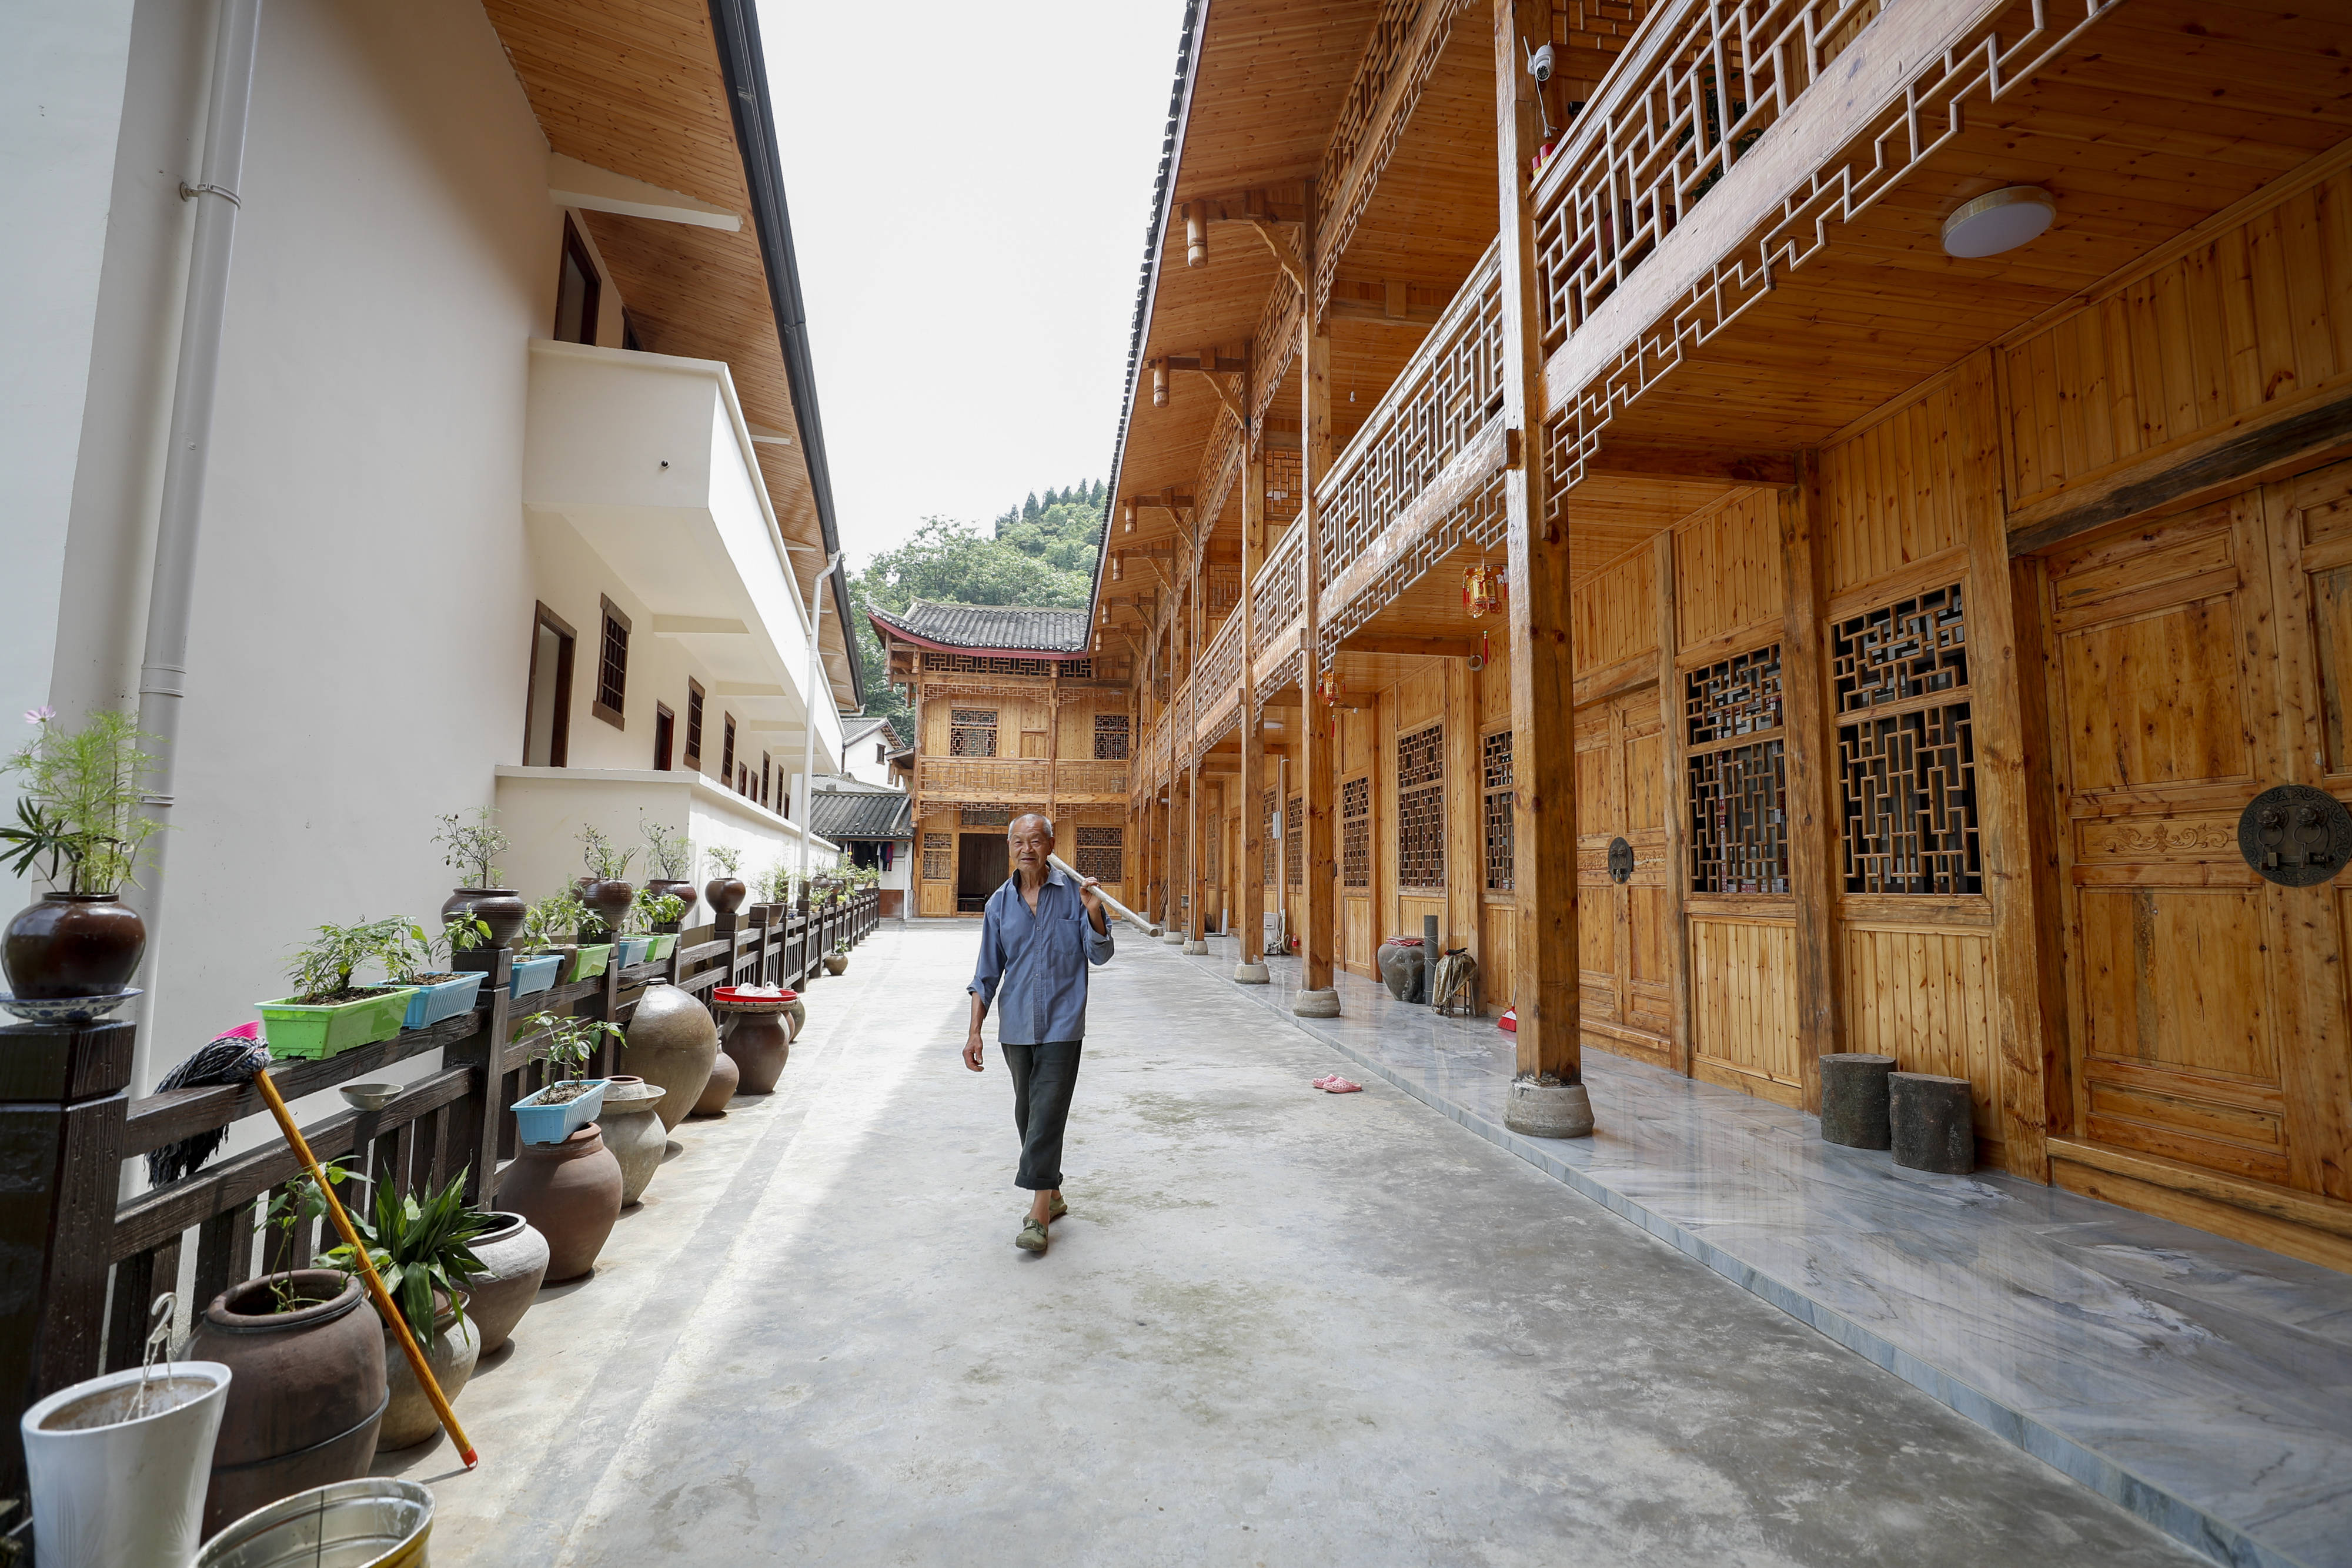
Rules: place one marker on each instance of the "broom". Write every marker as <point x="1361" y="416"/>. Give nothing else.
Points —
<point x="240" y="1057"/>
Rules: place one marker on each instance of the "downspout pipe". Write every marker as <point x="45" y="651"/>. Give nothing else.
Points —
<point x="163" y="669"/>
<point x="808" y="720"/>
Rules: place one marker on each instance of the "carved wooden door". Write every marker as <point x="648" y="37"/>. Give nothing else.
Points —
<point x="2194" y="663"/>
<point x="1626" y="955"/>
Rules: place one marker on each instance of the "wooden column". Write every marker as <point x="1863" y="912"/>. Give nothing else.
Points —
<point x="1249" y="967"/>
<point x="1465" y="873"/>
<point x="1318" y="898"/>
<point x="1670" y="753"/>
<point x="1053" y="748"/>
<point x="1543" y="656"/>
<point x="1812" y="802"/>
<point x="1196" y="925"/>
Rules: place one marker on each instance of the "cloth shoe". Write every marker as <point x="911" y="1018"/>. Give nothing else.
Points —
<point x="1032" y="1238"/>
<point x="1056" y="1211"/>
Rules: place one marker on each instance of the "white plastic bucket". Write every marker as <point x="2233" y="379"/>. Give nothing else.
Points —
<point x="111" y="1489"/>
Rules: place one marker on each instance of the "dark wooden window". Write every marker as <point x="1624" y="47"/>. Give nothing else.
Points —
<point x="1270" y="855"/>
<point x="764" y="778"/>
<point x="971" y="732"/>
<point x="665" y="733"/>
<point x="612" y="668"/>
<point x="1906" y="762"/>
<point x="1420" y="807"/>
<point x="1502" y="848"/>
<point x="1294" y="842"/>
<point x="577" y="291"/>
<point x="547" y="709"/>
<point x="1738" y="821"/>
<point x="1102" y="854"/>
<point x="726" y="749"/>
<point x="1356" y="832"/>
<point x="629" y="333"/>
<point x="694" y="723"/>
<point x="1110" y="738"/>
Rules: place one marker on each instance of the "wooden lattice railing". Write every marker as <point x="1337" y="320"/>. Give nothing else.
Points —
<point x="1085" y="778"/>
<point x="1014" y="777"/>
<point x="1281" y="589"/>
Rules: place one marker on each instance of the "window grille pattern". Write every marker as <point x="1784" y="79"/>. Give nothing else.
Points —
<point x="1294" y="842"/>
<point x="1285" y="488"/>
<point x="1906" y="766"/>
<point x="939" y="856"/>
<point x="972" y="664"/>
<point x="1420" y="807"/>
<point x="613" y="665"/>
<point x="1740" y="830"/>
<point x="1911" y="649"/>
<point x="1266" y="856"/>
<point x="1356" y="832"/>
<point x="1110" y="738"/>
<point x="1494" y="777"/>
<point x="1102" y="854"/>
<point x="971" y="732"/>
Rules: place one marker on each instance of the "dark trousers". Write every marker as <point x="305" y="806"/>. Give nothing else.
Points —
<point x="1043" y="1079"/>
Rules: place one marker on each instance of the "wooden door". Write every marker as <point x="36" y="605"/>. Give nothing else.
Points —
<point x="2193" y="662"/>
<point x="1627" y="958"/>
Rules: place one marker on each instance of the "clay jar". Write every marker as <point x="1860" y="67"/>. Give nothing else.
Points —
<point x="514" y="1260"/>
<point x="73" y="945"/>
<point x="671" y="1042"/>
<point x="683" y="890"/>
<point x="410" y="1419"/>
<point x="570" y="1193"/>
<point x="306" y="1393"/>
<point x="499" y="908"/>
<point x="724" y="1076"/>
<point x="610" y="900"/>
<point x="724" y="894"/>
<point x="760" y="1042"/>
<point x="634" y="1134"/>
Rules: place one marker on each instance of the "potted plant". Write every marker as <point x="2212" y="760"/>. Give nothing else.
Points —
<point x="603" y="889"/>
<point x="672" y="856"/>
<point x="78" y="813"/>
<point x="539" y="960"/>
<point x="561" y="916"/>
<point x="838" y="959"/>
<point x="472" y="848"/>
<point x="656" y="914"/>
<point x="423" y="961"/>
<point x="569" y="1102"/>
<point x="328" y="1015"/>
<point x="423" y="1254"/>
<point x="724" y="891"/>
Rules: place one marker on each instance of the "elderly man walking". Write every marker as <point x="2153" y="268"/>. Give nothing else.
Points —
<point x="1042" y="930"/>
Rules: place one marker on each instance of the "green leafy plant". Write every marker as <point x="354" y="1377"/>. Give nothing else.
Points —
<point x="605" y="862"/>
<point x="473" y="847"/>
<point x="292" y="1205"/>
<point x="669" y="853"/>
<point x="650" y="911"/>
<point x="569" y="1042"/>
<point x="323" y="965"/>
<point x="726" y="857"/>
<point x="77" y="809"/>
<point x="558" y="915"/>
<point x="418" y="1249"/>
<point x="418" y="953"/>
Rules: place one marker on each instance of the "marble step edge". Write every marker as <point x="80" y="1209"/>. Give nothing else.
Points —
<point x="2175" y="1516"/>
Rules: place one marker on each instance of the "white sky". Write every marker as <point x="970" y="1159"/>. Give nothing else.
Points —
<point x="969" y="187"/>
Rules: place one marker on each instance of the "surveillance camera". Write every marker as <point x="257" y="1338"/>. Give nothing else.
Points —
<point x="1540" y="64"/>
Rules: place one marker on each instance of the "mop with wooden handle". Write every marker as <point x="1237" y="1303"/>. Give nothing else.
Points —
<point x="1121" y="910"/>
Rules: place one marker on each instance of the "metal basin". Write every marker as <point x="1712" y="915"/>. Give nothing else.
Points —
<point x="370" y="1523"/>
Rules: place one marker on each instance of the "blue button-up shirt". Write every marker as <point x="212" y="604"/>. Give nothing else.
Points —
<point x="1036" y="965"/>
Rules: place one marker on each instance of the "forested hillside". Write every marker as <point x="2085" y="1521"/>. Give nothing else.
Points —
<point x="1040" y="552"/>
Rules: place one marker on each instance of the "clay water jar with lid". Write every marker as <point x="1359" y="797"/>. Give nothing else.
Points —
<point x="307" y="1392"/>
<point x="570" y="1193"/>
<point x="671" y="1041"/>
<point x="73" y="945"/>
<point x="759" y="1038"/>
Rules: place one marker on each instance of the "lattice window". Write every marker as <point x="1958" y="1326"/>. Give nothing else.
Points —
<point x="971" y="732"/>
<point x="1906" y="766"/>
<point x="1294" y="842"/>
<point x="1285" y="488"/>
<point x="1110" y="738"/>
<point x="972" y="664"/>
<point x="1102" y="854"/>
<point x="1420" y="807"/>
<point x="1494" y="777"/>
<point x="1739" y="831"/>
<point x="939" y="857"/>
<point x="990" y="816"/>
<point x="1267" y="857"/>
<point x="1356" y="832"/>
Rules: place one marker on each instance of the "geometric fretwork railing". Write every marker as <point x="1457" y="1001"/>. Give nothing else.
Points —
<point x="1436" y="408"/>
<point x="1281" y="591"/>
<point x="1220" y="666"/>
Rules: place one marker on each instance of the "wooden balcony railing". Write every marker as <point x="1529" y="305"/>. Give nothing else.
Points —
<point x="1013" y="779"/>
<point x="1089" y="778"/>
<point x="1281" y="589"/>
<point x="1221" y="663"/>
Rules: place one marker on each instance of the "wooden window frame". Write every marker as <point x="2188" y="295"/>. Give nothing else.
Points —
<point x="1408" y="797"/>
<point x="727" y="749"/>
<point x="1700" y="763"/>
<point x="614" y="616"/>
<point x="665" y="737"/>
<point x="692" y="756"/>
<point x="575" y="250"/>
<point x="558" y="735"/>
<point x="762" y="796"/>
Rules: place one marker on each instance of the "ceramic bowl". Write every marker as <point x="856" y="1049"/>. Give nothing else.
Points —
<point x="369" y="1096"/>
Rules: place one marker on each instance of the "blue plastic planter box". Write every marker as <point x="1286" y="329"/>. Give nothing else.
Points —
<point x="633" y="950"/>
<point x="538" y="1124"/>
<point x="439" y="1000"/>
<point x="534" y="975"/>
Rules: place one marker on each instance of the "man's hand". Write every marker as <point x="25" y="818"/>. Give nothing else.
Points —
<point x="974" y="1054"/>
<point x="1096" y="912"/>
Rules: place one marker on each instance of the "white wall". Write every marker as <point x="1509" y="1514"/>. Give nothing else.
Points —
<point x="544" y="809"/>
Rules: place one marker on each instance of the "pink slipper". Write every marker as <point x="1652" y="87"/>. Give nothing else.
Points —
<point x="1335" y="1084"/>
<point x="1325" y="1081"/>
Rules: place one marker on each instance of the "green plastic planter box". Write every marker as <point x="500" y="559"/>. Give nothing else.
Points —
<point x="589" y="959"/>
<point x="315" y="1032"/>
<point x="662" y="944"/>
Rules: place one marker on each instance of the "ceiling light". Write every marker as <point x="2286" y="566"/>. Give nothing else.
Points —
<point x="1999" y="221"/>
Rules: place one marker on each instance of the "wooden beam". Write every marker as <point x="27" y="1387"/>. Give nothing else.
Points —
<point x="1344" y="190"/>
<point x="1429" y="647"/>
<point x="1284" y="257"/>
<point x="1364" y="311"/>
<point x="1616" y="457"/>
<point x="1217" y="385"/>
<point x="1207" y="360"/>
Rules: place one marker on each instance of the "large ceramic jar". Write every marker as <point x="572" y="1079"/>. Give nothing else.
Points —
<point x="307" y="1391"/>
<point x="670" y="1042"/>
<point x="610" y="900"/>
<point x="409" y="1418"/>
<point x="685" y="892"/>
<point x="724" y="894"/>
<point x="73" y="945"/>
<point x="760" y="1041"/>
<point x="570" y="1193"/>
<point x="499" y="908"/>
<point x="724" y="1076"/>
<point x="634" y="1134"/>
<point x="514" y="1260"/>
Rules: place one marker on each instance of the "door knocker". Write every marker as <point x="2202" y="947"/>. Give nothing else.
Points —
<point x="1621" y="861"/>
<point x="2296" y="836"/>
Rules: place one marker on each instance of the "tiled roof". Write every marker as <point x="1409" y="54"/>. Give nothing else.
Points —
<point x="841" y="814"/>
<point x="992" y="628"/>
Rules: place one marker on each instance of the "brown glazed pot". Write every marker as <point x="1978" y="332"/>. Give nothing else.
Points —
<point x="457" y="1347"/>
<point x="514" y="1260"/>
<point x="610" y="900"/>
<point x="500" y="908"/>
<point x="724" y="1076"/>
<point x="724" y="894"/>
<point x="671" y="1041"/>
<point x="684" y="890"/>
<point x="570" y="1193"/>
<point x="306" y="1395"/>
<point x="73" y="945"/>
<point x="760" y="1042"/>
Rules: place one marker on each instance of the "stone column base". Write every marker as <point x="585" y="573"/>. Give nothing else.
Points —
<point x="1196" y="947"/>
<point x="1547" y="1108"/>
<point x="1323" y="1003"/>
<point x="1172" y="937"/>
<point x="1248" y="974"/>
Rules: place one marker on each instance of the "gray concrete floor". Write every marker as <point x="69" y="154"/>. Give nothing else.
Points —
<point x="1279" y="1327"/>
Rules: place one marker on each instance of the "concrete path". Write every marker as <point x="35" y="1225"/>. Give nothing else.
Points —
<point x="1279" y="1327"/>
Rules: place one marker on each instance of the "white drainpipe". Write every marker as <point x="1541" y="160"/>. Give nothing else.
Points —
<point x="808" y="722"/>
<point x="163" y="673"/>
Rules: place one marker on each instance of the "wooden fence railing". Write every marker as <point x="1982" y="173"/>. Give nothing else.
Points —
<point x="79" y="1264"/>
